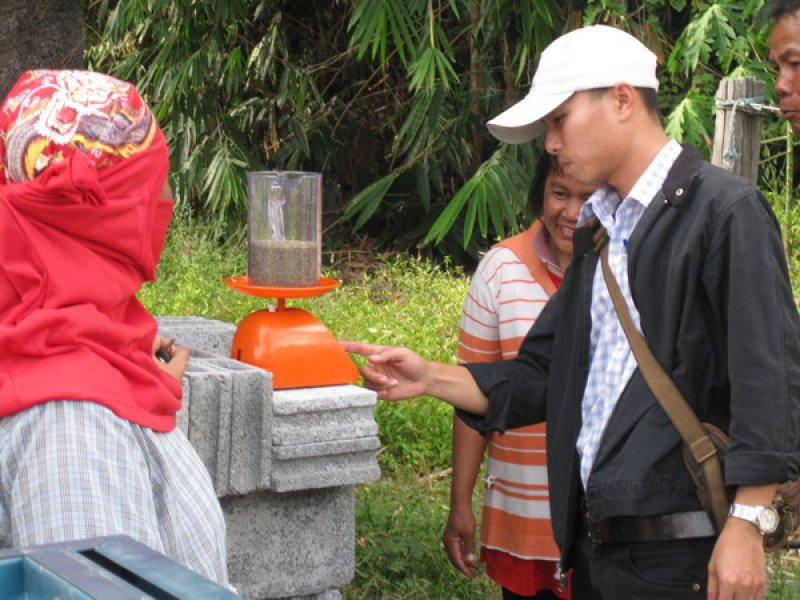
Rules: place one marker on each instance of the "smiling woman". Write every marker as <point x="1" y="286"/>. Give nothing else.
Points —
<point x="510" y="288"/>
<point x="563" y="198"/>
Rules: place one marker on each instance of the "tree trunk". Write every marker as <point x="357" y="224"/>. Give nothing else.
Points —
<point x="39" y="34"/>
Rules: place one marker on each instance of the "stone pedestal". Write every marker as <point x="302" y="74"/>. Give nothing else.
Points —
<point x="289" y="545"/>
<point x="284" y="464"/>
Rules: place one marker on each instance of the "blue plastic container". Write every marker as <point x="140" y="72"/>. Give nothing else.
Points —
<point x="109" y="568"/>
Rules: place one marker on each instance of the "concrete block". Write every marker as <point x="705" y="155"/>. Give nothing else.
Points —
<point x="323" y="414"/>
<point x="251" y="425"/>
<point x="210" y="395"/>
<point x="283" y="464"/>
<point x="324" y="471"/>
<point x="227" y="416"/>
<point x="300" y="451"/>
<point x="309" y="466"/>
<point x="323" y="437"/>
<point x="329" y="397"/>
<point x="316" y="427"/>
<point x="290" y="545"/>
<point x="326" y="595"/>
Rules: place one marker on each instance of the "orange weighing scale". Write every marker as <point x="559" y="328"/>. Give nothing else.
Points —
<point x="291" y="343"/>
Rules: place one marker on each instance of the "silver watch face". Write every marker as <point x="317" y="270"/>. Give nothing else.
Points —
<point x="767" y="520"/>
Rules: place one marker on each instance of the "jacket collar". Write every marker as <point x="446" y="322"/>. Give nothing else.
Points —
<point x="675" y="189"/>
<point x="679" y="179"/>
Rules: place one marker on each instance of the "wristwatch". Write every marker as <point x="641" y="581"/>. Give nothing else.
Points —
<point x="765" y="518"/>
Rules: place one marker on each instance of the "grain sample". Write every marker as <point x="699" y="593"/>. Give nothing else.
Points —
<point x="285" y="263"/>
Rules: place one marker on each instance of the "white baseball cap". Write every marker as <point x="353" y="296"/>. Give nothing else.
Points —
<point x="583" y="59"/>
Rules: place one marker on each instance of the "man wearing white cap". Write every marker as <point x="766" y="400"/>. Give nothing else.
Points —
<point x="698" y="256"/>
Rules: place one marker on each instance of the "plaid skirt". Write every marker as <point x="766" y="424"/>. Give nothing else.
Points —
<point x="72" y="470"/>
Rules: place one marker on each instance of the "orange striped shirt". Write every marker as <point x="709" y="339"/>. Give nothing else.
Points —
<point x="505" y="297"/>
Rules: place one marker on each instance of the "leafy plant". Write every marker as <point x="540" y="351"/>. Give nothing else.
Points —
<point x="389" y="99"/>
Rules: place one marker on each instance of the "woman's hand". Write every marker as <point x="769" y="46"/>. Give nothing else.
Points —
<point x="171" y="358"/>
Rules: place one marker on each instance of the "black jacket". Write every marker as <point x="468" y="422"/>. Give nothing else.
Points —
<point x="709" y="279"/>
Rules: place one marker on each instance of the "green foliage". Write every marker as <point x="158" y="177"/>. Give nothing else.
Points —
<point x="686" y="123"/>
<point x="782" y="188"/>
<point x="783" y="577"/>
<point x="711" y="34"/>
<point x="398" y="554"/>
<point x="234" y="84"/>
<point x="191" y="274"/>
<point x="388" y="99"/>
<point x="367" y="201"/>
<point x="373" y="24"/>
<point x="497" y="193"/>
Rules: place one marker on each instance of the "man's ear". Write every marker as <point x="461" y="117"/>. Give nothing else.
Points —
<point x="625" y="98"/>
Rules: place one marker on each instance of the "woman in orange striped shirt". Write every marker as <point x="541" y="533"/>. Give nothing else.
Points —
<point x="510" y="287"/>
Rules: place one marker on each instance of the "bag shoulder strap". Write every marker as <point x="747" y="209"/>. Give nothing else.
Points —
<point x="666" y="392"/>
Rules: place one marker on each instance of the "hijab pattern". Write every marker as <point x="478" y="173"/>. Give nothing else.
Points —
<point x="49" y="115"/>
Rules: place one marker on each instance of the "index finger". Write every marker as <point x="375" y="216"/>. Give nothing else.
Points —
<point x="361" y="348"/>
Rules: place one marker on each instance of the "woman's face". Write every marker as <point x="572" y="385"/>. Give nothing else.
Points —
<point x="563" y="199"/>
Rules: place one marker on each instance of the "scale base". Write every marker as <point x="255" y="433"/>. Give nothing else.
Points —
<point x="295" y="347"/>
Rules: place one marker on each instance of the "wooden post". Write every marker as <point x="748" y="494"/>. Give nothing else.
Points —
<point x="737" y="136"/>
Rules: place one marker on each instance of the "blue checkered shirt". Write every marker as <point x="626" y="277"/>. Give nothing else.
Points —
<point x="611" y="361"/>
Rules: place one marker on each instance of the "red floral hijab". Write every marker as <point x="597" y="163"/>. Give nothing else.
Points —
<point x="82" y="225"/>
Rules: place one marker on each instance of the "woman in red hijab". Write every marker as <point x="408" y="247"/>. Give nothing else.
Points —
<point x="88" y="444"/>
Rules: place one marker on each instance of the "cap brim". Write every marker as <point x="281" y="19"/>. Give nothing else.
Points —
<point x="523" y="121"/>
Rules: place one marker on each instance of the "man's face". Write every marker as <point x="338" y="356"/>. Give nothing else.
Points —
<point x="580" y="133"/>
<point x="784" y="54"/>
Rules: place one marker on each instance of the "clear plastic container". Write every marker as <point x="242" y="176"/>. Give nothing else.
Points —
<point x="284" y="228"/>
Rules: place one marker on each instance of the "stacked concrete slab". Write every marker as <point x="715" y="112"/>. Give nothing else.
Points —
<point x="323" y="437"/>
<point x="283" y="462"/>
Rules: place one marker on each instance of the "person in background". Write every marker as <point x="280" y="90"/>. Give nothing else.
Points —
<point x="510" y="287"/>
<point x="88" y="438"/>
<point x="784" y="54"/>
<point x="698" y="256"/>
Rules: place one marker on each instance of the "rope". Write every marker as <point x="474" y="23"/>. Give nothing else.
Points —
<point x="749" y="105"/>
<point x="753" y="106"/>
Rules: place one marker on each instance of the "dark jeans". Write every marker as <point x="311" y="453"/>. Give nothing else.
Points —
<point x="671" y="570"/>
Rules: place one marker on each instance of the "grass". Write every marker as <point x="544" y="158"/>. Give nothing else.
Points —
<point x="392" y="300"/>
<point x="399" y="522"/>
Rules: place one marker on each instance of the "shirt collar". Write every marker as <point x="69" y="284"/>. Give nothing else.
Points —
<point x="541" y="246"/>
<point x="605" y="200"/>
